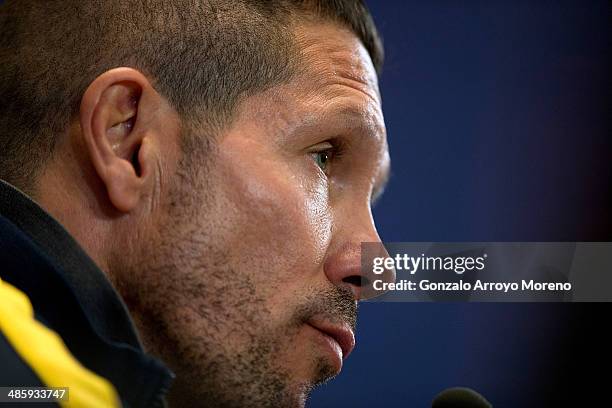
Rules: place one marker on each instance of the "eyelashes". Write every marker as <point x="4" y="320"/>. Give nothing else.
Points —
<point x="327" y="154"/>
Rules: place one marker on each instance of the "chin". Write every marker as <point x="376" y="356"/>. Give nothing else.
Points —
<point x="324" y="372"/>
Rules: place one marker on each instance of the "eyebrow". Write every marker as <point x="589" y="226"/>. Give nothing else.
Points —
<point x="383" y="176"/>
<point x="381" y="183"/>
<point x="351" y="115"/>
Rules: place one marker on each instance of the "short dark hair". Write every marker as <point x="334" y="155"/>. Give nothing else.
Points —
<point x="201" y="55"/>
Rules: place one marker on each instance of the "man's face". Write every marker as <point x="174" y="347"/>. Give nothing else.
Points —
<point x="247" y="286"/>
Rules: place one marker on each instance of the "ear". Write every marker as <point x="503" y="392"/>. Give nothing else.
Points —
<point x="115" y="124"/>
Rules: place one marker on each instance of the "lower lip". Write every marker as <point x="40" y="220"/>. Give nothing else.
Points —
<point x="330" y="345"/>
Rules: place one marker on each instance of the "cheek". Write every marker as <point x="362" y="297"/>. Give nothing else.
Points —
<point x="281" y="219"/>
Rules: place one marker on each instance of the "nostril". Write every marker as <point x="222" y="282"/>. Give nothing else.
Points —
<point x="356" y="280"/>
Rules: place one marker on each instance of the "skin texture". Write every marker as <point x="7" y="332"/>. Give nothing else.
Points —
<point x="227" y="259"/>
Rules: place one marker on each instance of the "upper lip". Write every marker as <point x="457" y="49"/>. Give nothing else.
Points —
<point x="341" y="332"/>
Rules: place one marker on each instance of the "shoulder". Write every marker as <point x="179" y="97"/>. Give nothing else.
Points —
<point x="37" y="356"/>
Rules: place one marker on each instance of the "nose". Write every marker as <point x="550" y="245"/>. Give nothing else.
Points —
<point x="350" y="265"/>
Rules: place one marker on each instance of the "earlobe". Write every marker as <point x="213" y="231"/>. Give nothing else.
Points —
<point x="114" y="134"/>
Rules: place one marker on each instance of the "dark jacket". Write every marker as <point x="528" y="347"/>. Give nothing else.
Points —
<point x="72" y="297"/>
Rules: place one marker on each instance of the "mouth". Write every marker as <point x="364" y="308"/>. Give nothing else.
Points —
<point x="341" y="333"/>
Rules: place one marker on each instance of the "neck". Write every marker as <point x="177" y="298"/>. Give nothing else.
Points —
<point x="75" y="205"/>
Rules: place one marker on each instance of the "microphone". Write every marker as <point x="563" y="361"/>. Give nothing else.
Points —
<point x="460" y="397"/>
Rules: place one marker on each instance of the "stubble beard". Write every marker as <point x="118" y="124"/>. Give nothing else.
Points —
<point x="188" y="309"/>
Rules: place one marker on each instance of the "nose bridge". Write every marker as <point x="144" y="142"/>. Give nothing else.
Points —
<point x="343" y="267"/>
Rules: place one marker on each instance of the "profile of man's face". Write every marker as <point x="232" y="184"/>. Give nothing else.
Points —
<point x="246" y="284"/>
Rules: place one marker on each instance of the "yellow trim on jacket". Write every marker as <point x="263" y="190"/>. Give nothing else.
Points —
<point x="46" y="354"/>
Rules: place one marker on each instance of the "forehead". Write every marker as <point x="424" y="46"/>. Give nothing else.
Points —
<point x="335" y="87"/>
<point x="332" y="55"/>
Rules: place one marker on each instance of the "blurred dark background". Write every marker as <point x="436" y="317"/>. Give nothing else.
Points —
<point x="498" y="120"/>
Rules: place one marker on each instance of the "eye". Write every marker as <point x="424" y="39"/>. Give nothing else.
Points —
<point x="322" y="159"/>
<point x="323" y="155"/>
